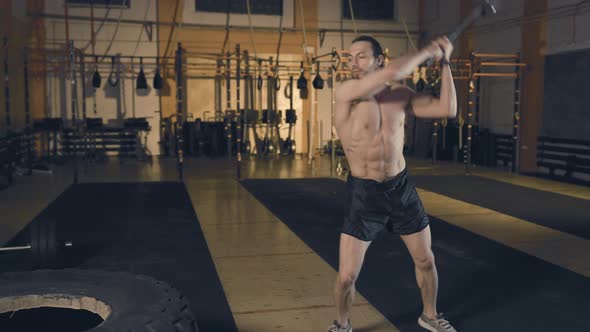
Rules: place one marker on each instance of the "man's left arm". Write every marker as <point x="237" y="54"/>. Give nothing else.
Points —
<point x="427" y="106"/>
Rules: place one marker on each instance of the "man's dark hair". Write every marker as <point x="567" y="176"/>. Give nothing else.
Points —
<point x="377" y="50"/>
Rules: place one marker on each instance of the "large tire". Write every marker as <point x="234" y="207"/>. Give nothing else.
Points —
<point x="126" y="302"/>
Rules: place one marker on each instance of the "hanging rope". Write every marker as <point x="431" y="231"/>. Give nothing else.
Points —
<point x="67" y="23"/>
<point x="408" y="34"/>
<point x="303" y="29"/>
<point x="226" y="38"/>
<point x="341" y="32"/>
<point x="352" y="17"/>
<point x="145" y="18"/>
<point x="173" y="33"/>
<point x="94" y="34"/>
<point x="123" y="92"/>
<point x="95" y="76"/>
<point x="251" y="28"/>
<point x="276" y="68"/>
<point x="132" y="90"/>
<point x="280" y="38"/>
<point x="106" y="52"/>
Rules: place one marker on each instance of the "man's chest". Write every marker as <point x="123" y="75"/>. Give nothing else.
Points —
<point x="374" y="115"/>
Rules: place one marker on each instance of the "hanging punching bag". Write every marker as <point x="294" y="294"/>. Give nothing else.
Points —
<point x="96" y="79"/>
<point x="141" y="80"/>
<point x="157" y="78"/>
<point x="302" y="81"/>
<point x="318" y="81"/>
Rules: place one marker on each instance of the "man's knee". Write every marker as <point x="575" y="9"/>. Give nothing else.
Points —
<point x="346" y="280"/>
<point x="425" y="262"/>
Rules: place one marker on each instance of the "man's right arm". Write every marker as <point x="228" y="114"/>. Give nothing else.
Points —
<point x="395" y="70"/>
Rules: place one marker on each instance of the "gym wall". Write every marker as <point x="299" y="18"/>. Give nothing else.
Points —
<point x="497" y="93"/>
<point x="498" y="35"/>
<point x="566" y="97"/>
<point x="19" y="30"/>
<point x="115" y="104"/>
<point x="566" y="71"/>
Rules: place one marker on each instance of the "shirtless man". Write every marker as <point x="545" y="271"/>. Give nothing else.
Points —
<point x="369" y="119"/>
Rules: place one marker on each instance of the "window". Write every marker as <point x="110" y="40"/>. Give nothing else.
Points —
<point x="369" y="9"/>
<point x="261" y="7"/>
<point x="101" y="3"/>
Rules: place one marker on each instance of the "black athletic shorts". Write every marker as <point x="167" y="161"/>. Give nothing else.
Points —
<point x="373" y="206"/>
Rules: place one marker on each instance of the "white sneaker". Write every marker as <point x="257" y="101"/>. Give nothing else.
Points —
<point x="438" y="324"/>
<point x="336" y="327"/>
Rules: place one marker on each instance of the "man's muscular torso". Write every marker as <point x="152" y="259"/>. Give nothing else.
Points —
<point x="372" y="133"/>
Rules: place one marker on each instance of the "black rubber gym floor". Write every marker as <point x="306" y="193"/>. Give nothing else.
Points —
<point x="144" y="228"/>
<point x="484" y="286"/>
<point x="564" y="213"/>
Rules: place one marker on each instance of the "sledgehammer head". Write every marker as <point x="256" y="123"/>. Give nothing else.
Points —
<point x="490" y="6"/>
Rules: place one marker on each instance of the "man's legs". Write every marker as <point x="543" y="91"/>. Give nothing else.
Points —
<point x="419" y="247"/>
<point x="352" y="255"/>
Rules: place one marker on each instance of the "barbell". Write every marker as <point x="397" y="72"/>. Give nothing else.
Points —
<point x="43" y="246"/>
